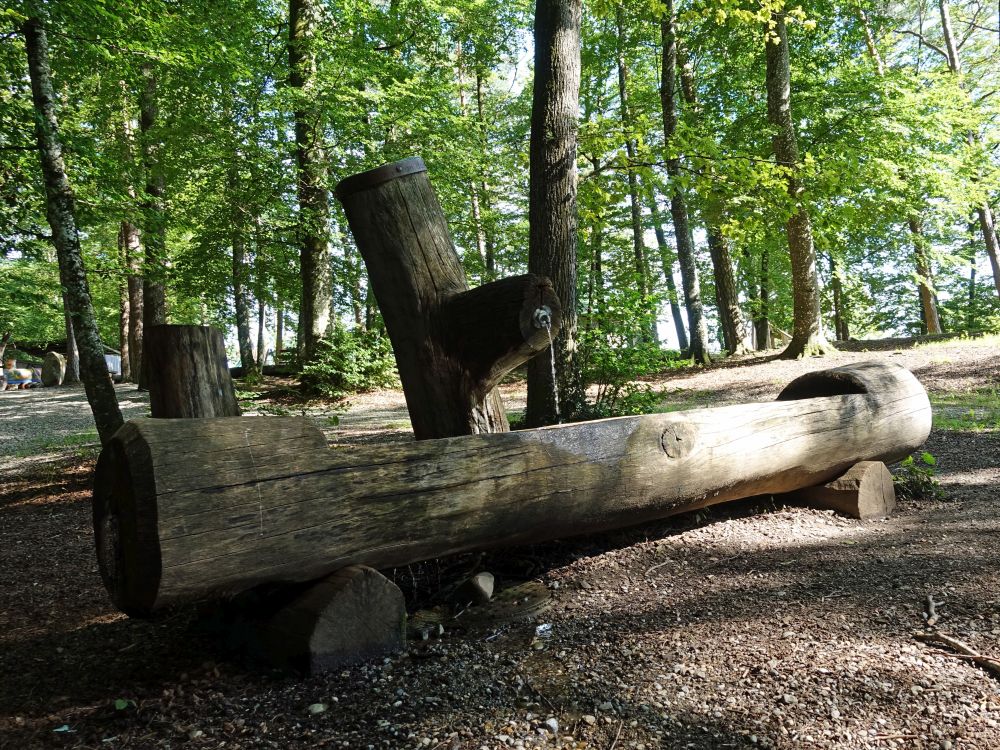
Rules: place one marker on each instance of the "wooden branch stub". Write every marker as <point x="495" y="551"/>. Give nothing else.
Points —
<point x="352" y="615"/>
<point x="452" y="345"/>
<point x="865" y="491"/>
<point x="187" y="372"/>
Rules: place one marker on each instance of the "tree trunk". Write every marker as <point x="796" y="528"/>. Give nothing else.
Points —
<point x="136" y="310"/>
<point x="314" y="205"/>
<point x="840" y="325"/>
<point x="925" y="279"/>
<point x="261" y="330"/>
<point x="726" y="294"/>
<point x="188" y="373"/>
<point x="452" y="345"/>
<point x="124" y="309"/>
<point x="734" y="334"/>
<point x="807" y="332"/>
<point x="60" y="210"/>
<point x="678" y="200"/>
<point x="983" y="210"/>
<point x="279" y="330"/>
<point x="595" y="278"/>
<point x="270" y="503"/>
<point x="668" y="273"/>
<point x="555" y="108"/>
<point x="645" y="287"/>
<point x="762" y="323"/>
<point x="490" y="246"/>
<point x="154" y="305"/>
<point x="241" y="277"/>
<point x="72" y="350"/>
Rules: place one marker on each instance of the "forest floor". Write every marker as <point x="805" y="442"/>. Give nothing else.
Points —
<point x="743" y="626"/>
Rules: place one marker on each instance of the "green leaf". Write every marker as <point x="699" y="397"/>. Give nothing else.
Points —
<point x="928" y="459"/>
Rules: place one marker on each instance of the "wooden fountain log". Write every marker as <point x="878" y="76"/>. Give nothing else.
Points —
<point x="186" y="509"/>
<point x="452" y="344"/>
<point x="187" y="372"/>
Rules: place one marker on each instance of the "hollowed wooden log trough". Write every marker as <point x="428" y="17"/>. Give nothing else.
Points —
<point x="189" y="509"/>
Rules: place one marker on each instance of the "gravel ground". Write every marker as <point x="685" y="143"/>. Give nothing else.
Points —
<point x="38" y="424"/>
<point x="743" y="626"/>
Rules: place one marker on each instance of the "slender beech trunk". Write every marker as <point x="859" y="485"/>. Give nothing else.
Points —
<point x="840" y="325"/>
<point x="241" y="295"/>
<point x="555" y="109"/>
<point x="154" y="307"/>
<point x="60" y="210"/>
<point x="477" y="216"/>
<point x="762" y="323"/>
<point x="279" y="329"/>
<point x="484" y="190"/>
<point x="987" y="223"/>
<point x="72" y="350"/>
<point x="667" y="263"/>
<point x="807" y="331"/>
<point x="314" y="201"/>
<point x="261" y="331"/>
<point x="123" y="310"/>
<point x="925" y="279"/>
<point x="635" y="210"/>
<point x="130" y="249"/>
<point x="595" y="278"/>
<point x="678" y="199"/>
<point x="734" y="334"/>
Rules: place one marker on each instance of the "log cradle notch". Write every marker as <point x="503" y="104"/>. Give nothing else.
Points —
<point x="452" y="343"/>
<point x="185" y="510"/>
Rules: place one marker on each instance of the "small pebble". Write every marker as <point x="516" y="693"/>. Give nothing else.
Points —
<point x="552" y="725"/>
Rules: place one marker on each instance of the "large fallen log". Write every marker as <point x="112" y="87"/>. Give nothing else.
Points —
<point x="187" y="509"/>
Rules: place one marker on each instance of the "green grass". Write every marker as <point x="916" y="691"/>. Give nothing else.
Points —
<point x="968" y="411"/>
<point x="682" y="400"/>
<point x="81" y="443"/>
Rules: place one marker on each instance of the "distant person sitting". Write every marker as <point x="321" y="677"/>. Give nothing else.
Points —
<point x="15" y="377"/>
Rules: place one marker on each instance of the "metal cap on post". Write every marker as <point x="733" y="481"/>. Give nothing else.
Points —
<point x="375" y="177"/>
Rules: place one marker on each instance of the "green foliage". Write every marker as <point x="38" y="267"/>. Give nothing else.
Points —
<point x="613" y="366"/>
<point x="915" y="480"/>
<point x="350" y="361"/>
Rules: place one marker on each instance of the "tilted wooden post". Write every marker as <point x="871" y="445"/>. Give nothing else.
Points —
<point x="452" y="344"/>
<point x="188" y="373"/>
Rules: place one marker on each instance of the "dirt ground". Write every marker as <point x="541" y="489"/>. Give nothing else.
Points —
<point x="745" y="626"/>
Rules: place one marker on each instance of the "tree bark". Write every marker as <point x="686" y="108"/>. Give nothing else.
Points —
<point x="668" y="273"/>
<point x="452" y="344"/>
<point x="807" y="331"/>
<point x="60" y="210"/>
<point x="645" y="287"/>
<point x="314" y="204"/>
<point x="124" y="309"/>
<point x="241" y="278"/>
<point x="269" y="503"/>
<point x="840" y="325"/>
<point x="987" y="224"/>
<point x="154" y="305"/>
<point x="72" y="350"/>
<point x="279" y="330"/>
<point x="925" y="279"/>
<point x="484" y="190"/>
<point x="136" y="311"/>
<point x="555" y="108"/>
<point x="678" y="199"/>
<point x="188" y="373"/>
<point x="261" y="331"/>
<point x="762" y="323"/>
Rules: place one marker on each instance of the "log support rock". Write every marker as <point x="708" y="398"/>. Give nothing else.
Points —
<point x="354" y="614"/>
<point x="865" y="491"/>
<point x="452" y="344"/>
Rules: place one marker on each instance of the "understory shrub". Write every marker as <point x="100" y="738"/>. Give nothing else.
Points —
<point x="349" y="361"/>
<point x="614" y="364"/>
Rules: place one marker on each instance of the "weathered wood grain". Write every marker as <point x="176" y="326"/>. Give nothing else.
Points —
<point x="187" y="372"/>
<point x="201" y="523"/>
<point x="864" y="491"/>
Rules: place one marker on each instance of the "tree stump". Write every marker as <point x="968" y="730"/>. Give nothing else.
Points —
<point x="187" y="371"/>
<point x="53" y="369"/>
<point x="354" y="614"/>
<point x="865" y="491"/>
<point x="452" y="344"/>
